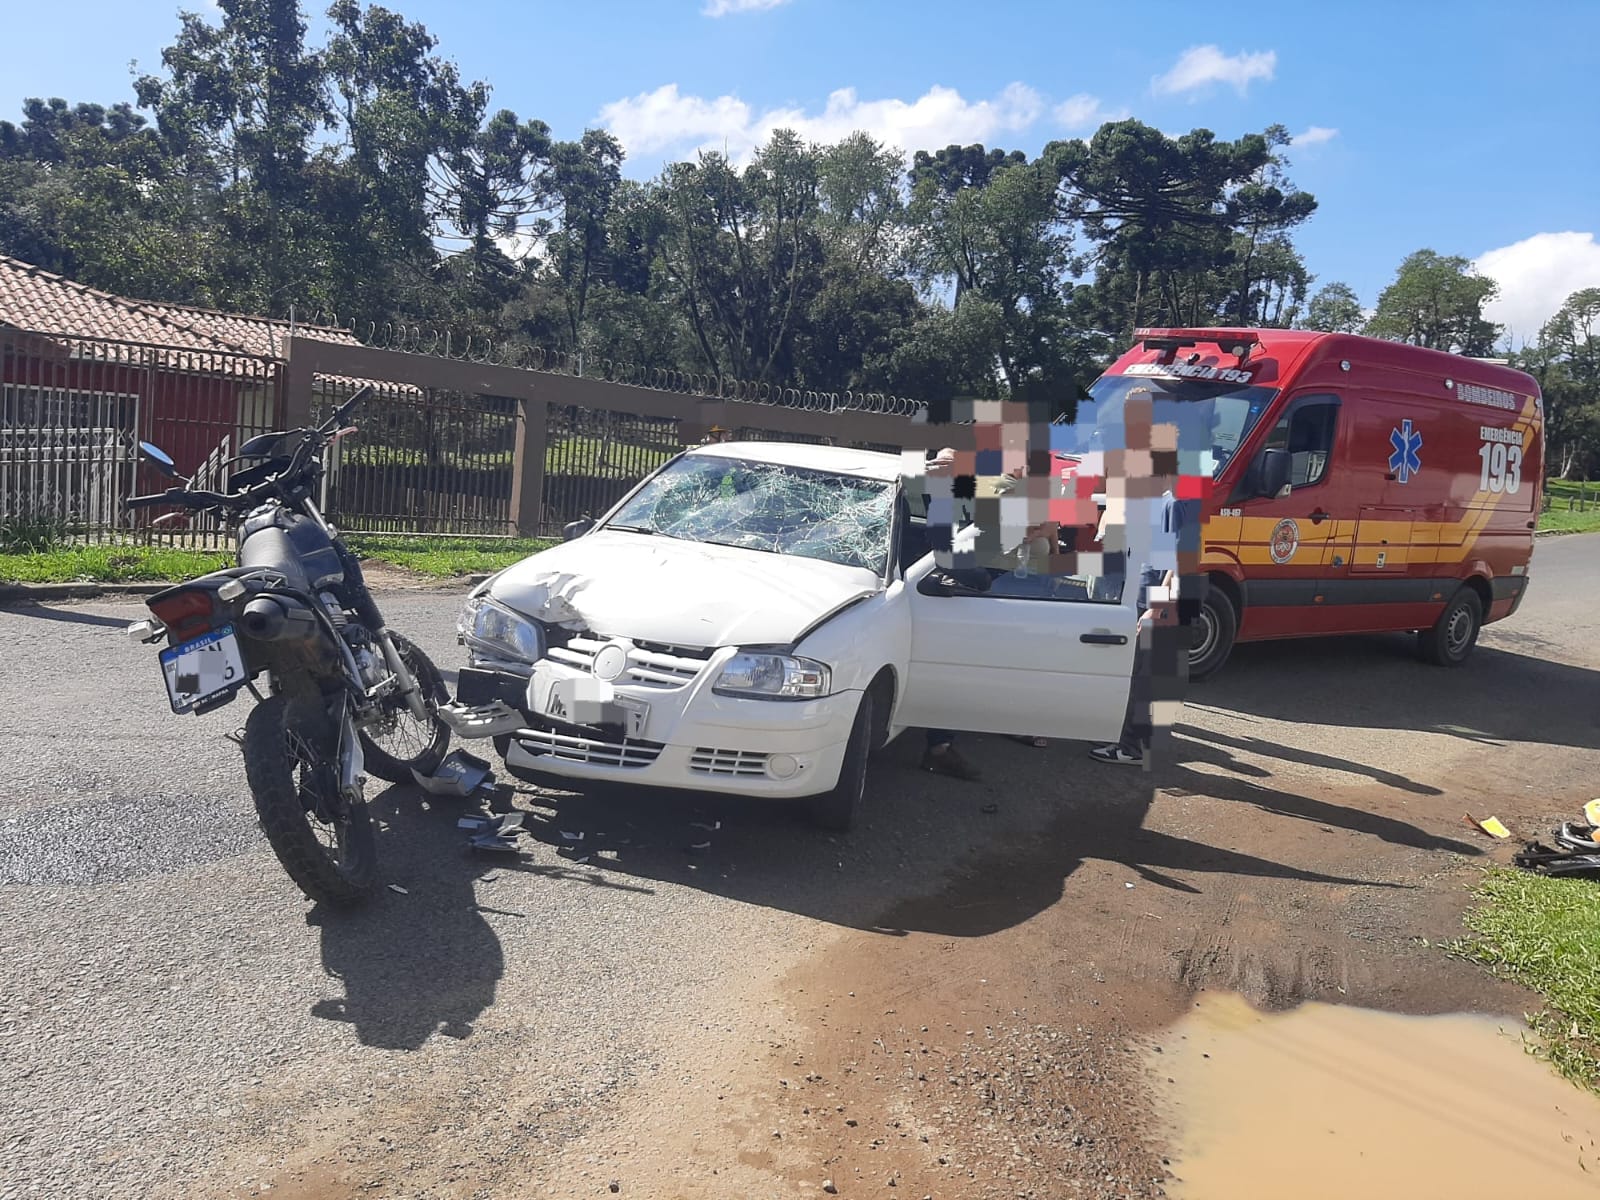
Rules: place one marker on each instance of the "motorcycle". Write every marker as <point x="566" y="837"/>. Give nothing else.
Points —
<point x="344" y="693"/>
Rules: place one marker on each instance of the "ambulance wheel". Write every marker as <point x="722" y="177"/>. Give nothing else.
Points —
<point x="1455" y="633"/>
<point x="1215" y="627"/>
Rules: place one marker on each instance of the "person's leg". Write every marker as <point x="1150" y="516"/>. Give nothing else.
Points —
<point x="942" y="758"/>
<point x="1130" y="746"/>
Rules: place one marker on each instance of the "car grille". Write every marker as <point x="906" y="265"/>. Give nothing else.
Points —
<point x="570" y="748"/>
<point x="649" y="665"/>
<point x="727" y="762"/>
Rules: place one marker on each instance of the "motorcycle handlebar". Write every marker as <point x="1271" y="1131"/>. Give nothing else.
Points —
<point x="184" y="498"/>
<point x="200" y="500"/>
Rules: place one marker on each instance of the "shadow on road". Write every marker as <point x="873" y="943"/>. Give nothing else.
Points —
<point x="1498" y="696"/>
<point x="69" y="616"/>
<point x="1038" y="816"/>
<point x="416" y="964"/>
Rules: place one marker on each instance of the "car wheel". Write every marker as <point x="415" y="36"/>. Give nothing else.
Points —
<point x="1455" y="633"/>
<point x="836" y="809"/>
<point x="1215" y="627"/>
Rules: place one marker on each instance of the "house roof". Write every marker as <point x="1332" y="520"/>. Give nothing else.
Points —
<point x="38" y="301"/>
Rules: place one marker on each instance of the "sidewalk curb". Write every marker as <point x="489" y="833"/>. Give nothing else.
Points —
<point x="32" y="593"/>
<point x="35" y="593"/>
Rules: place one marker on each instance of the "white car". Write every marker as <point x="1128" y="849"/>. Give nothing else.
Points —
<point x="756" y="618"/>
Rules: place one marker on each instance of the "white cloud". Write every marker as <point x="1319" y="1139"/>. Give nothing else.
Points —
<point x="1536" y="275"/>
<point x="1314" y="136"/>
<point x="721" y="8"/>
<point x="1084" y="111"/>
<point x="665" y="119"/>
<point x="1200" y="66"/>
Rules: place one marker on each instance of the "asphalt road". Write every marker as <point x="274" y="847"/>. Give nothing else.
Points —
<point x="175" y="1019"/>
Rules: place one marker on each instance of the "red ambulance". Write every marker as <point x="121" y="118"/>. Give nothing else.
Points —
<point x="1349" y="485"/>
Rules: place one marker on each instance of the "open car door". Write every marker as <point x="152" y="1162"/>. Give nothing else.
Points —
<point x="1036" y="655"/>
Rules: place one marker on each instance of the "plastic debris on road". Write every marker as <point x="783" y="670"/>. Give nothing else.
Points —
<point x="1490" y="825"/>
<point x="459" y="775"/>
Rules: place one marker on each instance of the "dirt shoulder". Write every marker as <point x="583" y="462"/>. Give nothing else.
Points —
<point x="1003" y="1057"/>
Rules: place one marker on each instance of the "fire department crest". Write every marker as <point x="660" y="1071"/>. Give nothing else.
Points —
<point x="1285" y="541"/>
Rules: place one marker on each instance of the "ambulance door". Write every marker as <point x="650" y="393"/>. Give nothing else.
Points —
<point x="1286" y="541"/>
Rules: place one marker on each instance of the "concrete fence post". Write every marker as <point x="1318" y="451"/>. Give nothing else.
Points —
<point x="527" y="467"/>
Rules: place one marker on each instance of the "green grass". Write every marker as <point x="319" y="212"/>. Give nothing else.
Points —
<point x="440" y="557"/>
<point x="445" y="558"/>
<point x="111" y="564"/>
<point x="1574" y="488"/>
<point x="1571" y="522"/>
<point x="1545" y="934"/>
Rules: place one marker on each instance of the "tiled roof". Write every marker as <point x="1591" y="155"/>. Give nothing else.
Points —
<point x="36" y="300"/>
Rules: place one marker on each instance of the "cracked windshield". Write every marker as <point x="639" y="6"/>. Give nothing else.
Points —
<point x="770" y="507"/>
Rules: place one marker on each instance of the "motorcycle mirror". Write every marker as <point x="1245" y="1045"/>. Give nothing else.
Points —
<point x="160" y="459"/>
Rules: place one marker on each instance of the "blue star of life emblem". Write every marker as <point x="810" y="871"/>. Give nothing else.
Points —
<point x="1405" y="461"/>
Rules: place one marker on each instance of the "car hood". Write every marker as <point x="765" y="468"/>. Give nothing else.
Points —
<point x="660" y="589"/>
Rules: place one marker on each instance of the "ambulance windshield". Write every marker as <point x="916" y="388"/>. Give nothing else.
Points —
<point x="1213" y="418"/>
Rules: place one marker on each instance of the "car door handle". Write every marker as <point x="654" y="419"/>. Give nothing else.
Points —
<point x="1319" y="516"/>
<point x="1104" y="639"/>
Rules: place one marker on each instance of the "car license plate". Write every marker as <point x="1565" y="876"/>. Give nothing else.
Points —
<point x="585" y="700"/>
<point x="200" y="669"/>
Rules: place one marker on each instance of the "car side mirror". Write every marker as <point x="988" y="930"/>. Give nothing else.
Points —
<point x="576" y="529"/>
<point x="1273" y="473"/>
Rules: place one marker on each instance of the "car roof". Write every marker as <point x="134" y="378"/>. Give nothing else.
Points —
<point x="844" y="460"/>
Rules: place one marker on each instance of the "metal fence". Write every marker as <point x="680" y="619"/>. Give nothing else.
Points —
<point x="73" y="410"/>
<point x="424" y="460"/>
<point x="436" y="452"/>
<point x="594" y="457"/>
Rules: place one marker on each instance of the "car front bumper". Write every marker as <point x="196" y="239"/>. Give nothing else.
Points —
<point x="692" y="739"/>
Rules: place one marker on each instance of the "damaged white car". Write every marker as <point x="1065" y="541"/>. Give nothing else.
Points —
<point x="756" y="618"/>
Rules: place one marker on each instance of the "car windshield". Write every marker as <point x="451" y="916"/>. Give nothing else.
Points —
<point x="1213" y="419"/>
<point x="764" y="506"/>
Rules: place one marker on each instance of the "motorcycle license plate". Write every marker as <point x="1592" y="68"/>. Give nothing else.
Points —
<point x="200" y="669"/>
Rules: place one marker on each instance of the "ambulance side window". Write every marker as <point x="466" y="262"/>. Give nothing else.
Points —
<point x="1307" y="433"/>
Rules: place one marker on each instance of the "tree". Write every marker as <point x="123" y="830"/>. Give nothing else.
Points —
<point x="583" y="180"/>
<point x="1437" y="301"/>
<point x="1335" y="309"/>
<point x="1163" y="215"/>
<point x="1566" y="361"/>
<point x="400" y="108"/>
<point x="1263" y="209"/>
<point x="742" y="253"/>
<point x="239" y="107"/>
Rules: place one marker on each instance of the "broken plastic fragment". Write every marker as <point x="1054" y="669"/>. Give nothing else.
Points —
<point x="1492" y="826"/>
<point x="395" y="887"/>
<point x="460" y="774"/>
<point x="1591" y="812"/>
<point x="571" y="837"/>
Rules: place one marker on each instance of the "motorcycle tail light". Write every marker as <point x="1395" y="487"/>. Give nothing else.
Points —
<point x="184" y="612"/>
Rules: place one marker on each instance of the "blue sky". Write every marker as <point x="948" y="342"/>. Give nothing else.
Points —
<point x="1471" y="128"/>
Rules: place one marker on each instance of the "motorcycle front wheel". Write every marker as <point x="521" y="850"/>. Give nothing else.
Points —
<point x="323" y="841"/>
<point x="398" y="743"/>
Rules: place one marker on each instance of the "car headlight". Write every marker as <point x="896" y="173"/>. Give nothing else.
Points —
<point x="491" y="630"/>
<point x="773" y="677"/>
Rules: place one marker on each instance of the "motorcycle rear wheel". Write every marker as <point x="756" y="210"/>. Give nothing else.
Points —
<point x="324" y="842"/>
<point x="409" y="745"/>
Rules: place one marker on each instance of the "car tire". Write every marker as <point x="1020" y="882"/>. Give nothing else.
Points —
<point x="835" y="810"/>
<point x="1455" y="633"/>
<point x="1215" y="628"/>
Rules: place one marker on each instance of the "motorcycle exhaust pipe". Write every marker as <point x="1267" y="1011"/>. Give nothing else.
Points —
<point x="275" y="618"/>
